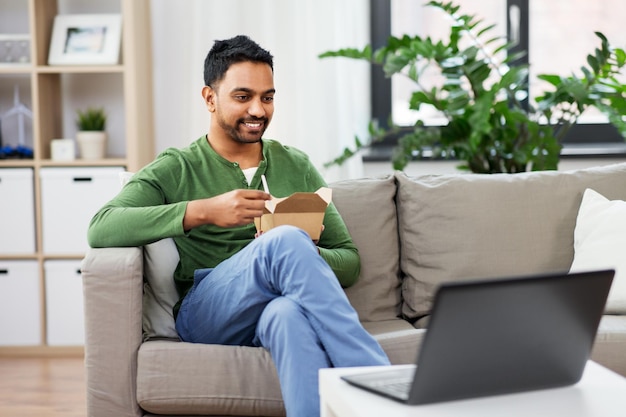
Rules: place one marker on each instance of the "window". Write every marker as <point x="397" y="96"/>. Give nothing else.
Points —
<point x="557" y="35"/>
<point x="413" y="18"/>
<point x="561" y="35"/>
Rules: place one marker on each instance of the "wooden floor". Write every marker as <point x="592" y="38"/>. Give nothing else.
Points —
<point x="42" y="387"/>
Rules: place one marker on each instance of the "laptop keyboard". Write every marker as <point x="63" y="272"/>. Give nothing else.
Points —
<point x="395" y="383"/>
<point x="399" y="388"/>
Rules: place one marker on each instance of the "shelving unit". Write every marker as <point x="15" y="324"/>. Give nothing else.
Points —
<point x="54" y="93"/>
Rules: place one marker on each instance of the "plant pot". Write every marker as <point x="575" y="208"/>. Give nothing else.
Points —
<point x="91" y="144"/>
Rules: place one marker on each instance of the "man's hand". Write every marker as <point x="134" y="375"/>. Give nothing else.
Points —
<point x="234" y="208"/>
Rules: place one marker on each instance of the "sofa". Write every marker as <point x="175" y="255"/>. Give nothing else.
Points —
<point x="413" y="233"/>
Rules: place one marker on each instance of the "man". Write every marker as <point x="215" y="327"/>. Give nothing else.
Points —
<point x="278" y="290"/>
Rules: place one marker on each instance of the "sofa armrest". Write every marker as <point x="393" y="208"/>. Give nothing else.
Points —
<point x="113" y="288"/>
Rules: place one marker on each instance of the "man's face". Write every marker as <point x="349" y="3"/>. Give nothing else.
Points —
<point x="243" y="101"/>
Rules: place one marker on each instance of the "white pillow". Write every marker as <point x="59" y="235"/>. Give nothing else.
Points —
<point x="160" y="260"/>
<point x="600" y="242"/>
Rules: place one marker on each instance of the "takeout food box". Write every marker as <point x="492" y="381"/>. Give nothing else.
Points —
<point x="303" y="210"/>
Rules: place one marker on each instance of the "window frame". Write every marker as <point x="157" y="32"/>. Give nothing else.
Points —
<point x="578" y="143"/>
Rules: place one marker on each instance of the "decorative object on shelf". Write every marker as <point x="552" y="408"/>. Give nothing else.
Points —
<point x="492" y="126"/>
<point x="92" y="39"/>
<point x="19" y="113"/>
<point x="62" y="150"/>
<point x="91" y="136"/>
<point x="14" y="49"/>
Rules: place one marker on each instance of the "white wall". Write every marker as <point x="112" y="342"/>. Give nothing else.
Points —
<point x="320" y="104"/>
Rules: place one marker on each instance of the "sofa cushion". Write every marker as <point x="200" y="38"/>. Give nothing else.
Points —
<point x="455" y="227"/>
<point x="399" y="340"/>
<point x="369" y="211"/>
<point x="610" y="343"/>
<point x="599" y="242"/>
<point x="160" y="294"/>
<point x="198" y="379"/>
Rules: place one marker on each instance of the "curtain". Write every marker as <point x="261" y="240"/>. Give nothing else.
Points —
<point x="320" y="104"/>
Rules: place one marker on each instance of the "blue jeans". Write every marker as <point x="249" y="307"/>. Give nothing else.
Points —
<point x="279" y="293"/>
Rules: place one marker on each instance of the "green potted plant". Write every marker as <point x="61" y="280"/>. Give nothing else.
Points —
<point x="489" y="128"/>
<point x="91" y="135"/>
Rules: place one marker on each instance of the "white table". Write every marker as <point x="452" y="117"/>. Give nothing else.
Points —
<point x="600" y="392"/>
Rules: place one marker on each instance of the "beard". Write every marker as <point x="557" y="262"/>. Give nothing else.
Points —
<point x="237" y="132"/>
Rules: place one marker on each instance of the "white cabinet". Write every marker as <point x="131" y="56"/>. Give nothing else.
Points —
<point x="17" y="211"/>
<point x="69" y="199"/>
<point x="65" y="322"/>
<point x="20" y="313"/>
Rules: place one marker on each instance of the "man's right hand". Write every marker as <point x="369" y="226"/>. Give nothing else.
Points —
<point x="231" y="209"/>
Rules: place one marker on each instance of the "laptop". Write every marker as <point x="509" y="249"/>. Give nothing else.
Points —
<point x="498" y="336"/>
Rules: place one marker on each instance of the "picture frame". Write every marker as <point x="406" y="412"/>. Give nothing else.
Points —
<point x="85" y="39"/>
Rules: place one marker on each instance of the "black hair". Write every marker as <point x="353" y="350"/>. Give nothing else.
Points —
<point x="227" y="52"/>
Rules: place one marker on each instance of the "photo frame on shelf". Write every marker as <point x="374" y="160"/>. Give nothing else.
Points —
<point x="85" y="39"/>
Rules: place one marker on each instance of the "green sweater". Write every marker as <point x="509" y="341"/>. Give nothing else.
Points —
<point x="152" y="205"/>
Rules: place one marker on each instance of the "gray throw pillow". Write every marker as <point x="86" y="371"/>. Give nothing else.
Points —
<point x="368" y="208"/>
<point x="464" y="226"/>
<point x="160" y="295"/>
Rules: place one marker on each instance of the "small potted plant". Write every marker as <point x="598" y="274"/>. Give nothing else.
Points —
<point x="91" y="135"/>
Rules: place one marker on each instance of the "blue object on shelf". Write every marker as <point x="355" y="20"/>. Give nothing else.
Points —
<point x="19" y="152"/>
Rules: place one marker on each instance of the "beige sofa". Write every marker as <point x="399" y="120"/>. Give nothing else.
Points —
<point x="412" y="233"/>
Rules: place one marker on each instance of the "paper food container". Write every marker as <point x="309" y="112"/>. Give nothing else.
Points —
<point x="303" y="210"/>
